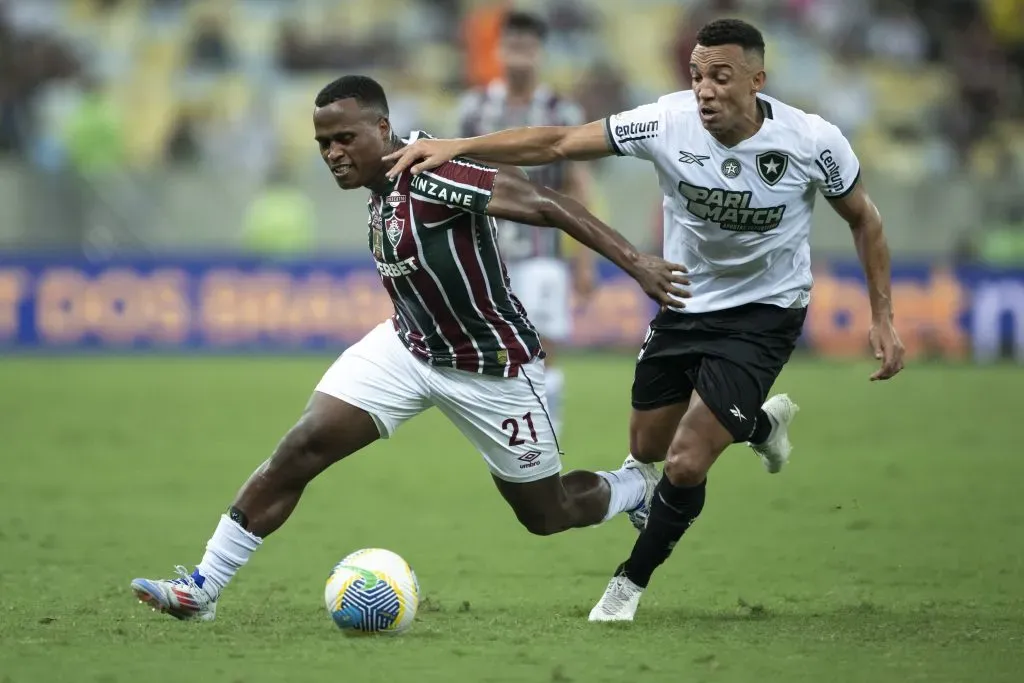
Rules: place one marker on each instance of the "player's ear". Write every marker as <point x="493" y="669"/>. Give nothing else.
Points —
<point x="384" y="128"/>
<point x="759" y="80"/>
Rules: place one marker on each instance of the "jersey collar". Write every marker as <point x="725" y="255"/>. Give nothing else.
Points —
<point x="765" y="107"/>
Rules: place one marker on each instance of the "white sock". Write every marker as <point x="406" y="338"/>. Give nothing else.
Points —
<point x="628" y="488"/>
<point x="227" y="551"/>
<point x="554" y="383"/>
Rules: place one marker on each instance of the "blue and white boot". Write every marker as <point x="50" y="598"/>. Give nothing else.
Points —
<point x="183" y="598"/>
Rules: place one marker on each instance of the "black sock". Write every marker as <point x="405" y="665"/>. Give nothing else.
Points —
<point x="673" y="510"/>
<point x="762" y="427"/>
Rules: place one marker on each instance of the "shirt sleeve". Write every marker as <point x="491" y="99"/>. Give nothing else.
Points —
<point x="836" y="168"/>
<point x="636" y="132"/>
<point x="457" y="184"/>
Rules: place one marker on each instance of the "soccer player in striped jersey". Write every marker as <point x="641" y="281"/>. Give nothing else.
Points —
<point x="541" y="271"/>
<point x="459" y="340"/>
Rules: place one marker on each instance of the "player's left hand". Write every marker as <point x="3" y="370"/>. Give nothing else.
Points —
<point x="888" y="348"/>
<point x="661" y="280"/>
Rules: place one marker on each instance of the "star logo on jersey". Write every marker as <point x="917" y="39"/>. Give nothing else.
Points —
<point x="731" y="168"/>
<point x="771" y="166"/>
<point x="690" y="158"/>
<point x="395" y="228"/>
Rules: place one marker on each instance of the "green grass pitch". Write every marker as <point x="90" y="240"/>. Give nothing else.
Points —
<point x="890" y="550"/>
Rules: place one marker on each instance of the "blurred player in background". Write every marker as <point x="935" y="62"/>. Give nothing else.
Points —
<point x="539" y="267"/>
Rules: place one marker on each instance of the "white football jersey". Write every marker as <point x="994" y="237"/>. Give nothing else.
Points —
<point x="739" y="218"/>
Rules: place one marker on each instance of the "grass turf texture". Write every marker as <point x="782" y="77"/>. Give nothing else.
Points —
<point x="889" y="550"/>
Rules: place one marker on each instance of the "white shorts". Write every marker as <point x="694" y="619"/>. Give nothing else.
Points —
<point x="505" y="418"/>
<point x="542" y="286"/>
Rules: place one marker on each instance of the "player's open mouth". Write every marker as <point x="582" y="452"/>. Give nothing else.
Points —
<point x="341" y="170"/>
<point x="707" y="113"/>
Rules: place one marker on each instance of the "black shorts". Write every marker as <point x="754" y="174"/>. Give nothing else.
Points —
<point x="730" y="357"/>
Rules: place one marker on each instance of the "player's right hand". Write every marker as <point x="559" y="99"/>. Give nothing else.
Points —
<point x="888" y="348"/>
<point x="661" y="280"/>
<point x="429" y="153"/>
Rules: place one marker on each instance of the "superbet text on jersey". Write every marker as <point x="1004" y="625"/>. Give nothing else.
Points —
<point x="739" y="218"/>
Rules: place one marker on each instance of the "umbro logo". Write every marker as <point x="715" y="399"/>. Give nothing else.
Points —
<point x="689" y="158"/>
<point x="529" y="459"/>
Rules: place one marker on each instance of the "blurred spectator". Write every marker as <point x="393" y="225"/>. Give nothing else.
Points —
<point x="94" y="132"/>
<point x="210" y="48"/>
<point x="896" y="33"/>
<point x="690" y="21"/>
<point x="28" y="62"/>
<point x="183" y="144"/>
<point x="979" y="68"/>
<point x="602" y="91"/>
<point x="481" y="37"/>
<point x="281" y="220"/>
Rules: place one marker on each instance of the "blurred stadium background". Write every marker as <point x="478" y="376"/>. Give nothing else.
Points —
<point x="160" y="191"/>
<point x="149" y="128"/>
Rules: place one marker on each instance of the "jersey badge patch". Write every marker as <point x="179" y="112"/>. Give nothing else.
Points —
<point x="771" y="166"/>
<point x="731" y="168"/>
<point x="395" y="228"/>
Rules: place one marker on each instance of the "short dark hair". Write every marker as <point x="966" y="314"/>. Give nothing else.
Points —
<point x="731" y="32"/>
<point x="525" y="22"/>
<point x="363" y="89"/>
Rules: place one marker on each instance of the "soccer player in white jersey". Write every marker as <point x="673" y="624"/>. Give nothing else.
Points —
<point x="739" y="172"/>
<point x="538" y="266"/>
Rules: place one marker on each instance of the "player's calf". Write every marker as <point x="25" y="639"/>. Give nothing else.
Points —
<point x="328" y="431"/>
<point x="578" y="499"/>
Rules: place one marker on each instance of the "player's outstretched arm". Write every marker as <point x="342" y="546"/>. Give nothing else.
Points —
<point x="516" y="199"/>
<point x="530" y="146"/>
<point x="861" y="214"/>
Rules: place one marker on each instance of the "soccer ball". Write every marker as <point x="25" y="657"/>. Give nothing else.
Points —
<point x="372" y="591"/>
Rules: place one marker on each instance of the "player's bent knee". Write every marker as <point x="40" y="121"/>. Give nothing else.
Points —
<point x="646" y="450"/>
<point x="688" y="462"/>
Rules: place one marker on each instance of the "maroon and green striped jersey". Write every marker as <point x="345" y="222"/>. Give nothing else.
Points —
<point x="437" y="255"/>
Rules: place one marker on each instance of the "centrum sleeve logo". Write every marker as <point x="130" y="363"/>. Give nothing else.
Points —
<point x="730" y="209"/>
<point x="832" y="173"/>
<point x="636" y="130"/>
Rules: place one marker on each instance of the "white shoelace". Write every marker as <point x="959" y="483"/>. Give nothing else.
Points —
<point x="616" y="597"/>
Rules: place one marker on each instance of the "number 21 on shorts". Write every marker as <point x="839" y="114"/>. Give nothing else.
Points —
<point x="511" y="426"/>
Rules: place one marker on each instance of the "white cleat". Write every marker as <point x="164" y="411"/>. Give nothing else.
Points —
<point x="619" y="602"/>
<point x="182" y="598"/>
<point x="774" y="452"/>
<point x="638" y="516"/>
